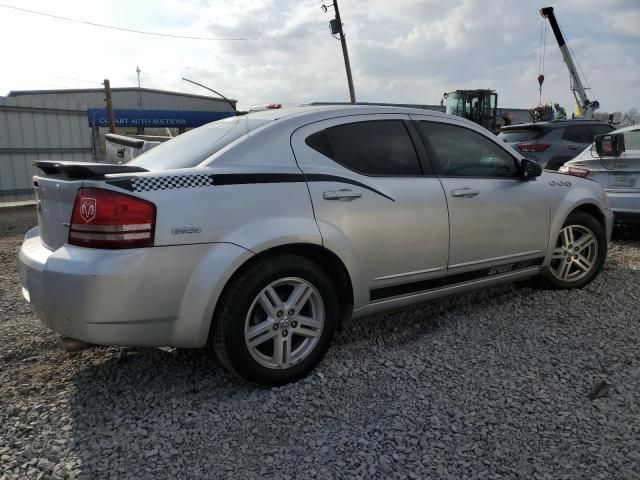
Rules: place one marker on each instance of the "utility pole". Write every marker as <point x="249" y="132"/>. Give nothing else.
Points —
<point x="336" y="28"/>
<point x="138" y="71"/>
<point x="107" y="92"/>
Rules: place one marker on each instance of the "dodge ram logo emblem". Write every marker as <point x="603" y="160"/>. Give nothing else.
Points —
<point x="88" y="209"/>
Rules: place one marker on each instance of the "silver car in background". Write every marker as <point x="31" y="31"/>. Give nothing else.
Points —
<point x="257" y="235"/>
<point x="619" y="176"/>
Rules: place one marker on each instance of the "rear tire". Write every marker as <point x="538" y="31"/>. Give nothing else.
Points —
<point x="579" y="253"/>
<point x="276" y="320"/>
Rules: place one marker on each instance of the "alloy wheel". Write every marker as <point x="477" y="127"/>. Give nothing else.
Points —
<point x="575" y="253"/>
<point x="284" y="323"/>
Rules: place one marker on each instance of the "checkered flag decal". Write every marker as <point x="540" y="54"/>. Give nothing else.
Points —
<point x="169" y="183"/>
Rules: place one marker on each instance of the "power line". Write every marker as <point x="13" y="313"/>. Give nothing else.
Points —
<point x="157" y="34"/>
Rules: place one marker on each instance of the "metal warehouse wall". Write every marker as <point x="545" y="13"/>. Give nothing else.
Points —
<point x="32" y="129"/>
<point x="53" y="125"/>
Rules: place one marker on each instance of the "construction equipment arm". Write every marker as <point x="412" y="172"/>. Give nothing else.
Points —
<point x="576" y="83"/>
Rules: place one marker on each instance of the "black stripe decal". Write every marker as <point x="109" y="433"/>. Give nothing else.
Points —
<point x="130" y="184"/>
<point x="424" y="286"/>
<point x="125" y="184"/>
<point x="251" y="178"/>
<point x="321" y="177"/>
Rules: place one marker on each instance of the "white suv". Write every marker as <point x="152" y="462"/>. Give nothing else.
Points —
<point x="258" y="234"/>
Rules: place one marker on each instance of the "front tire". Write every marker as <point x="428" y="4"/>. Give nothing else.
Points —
<point x="578" y="255"/>
<point x="276" y="320"/>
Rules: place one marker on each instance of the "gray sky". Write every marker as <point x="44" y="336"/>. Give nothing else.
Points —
<point x="408" y="51"/>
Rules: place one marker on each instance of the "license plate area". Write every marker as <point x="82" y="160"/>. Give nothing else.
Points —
<point x="622" y="180"/>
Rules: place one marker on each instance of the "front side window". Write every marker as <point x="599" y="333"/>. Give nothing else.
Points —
<point x="378" y="147"/>
<point x="461" y="152"/>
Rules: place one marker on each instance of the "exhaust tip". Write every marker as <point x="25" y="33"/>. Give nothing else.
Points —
<point x="74" y="345"/>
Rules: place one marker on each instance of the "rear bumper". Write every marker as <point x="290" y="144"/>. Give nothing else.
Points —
<point x="138" y="297"/>
<point x="608" y="219"/>
<point x="624" y="204"/>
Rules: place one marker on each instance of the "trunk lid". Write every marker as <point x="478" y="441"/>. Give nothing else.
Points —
<point x="55" y="202"/>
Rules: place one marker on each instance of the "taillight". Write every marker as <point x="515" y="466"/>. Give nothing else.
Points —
<point x="108" y="219"/>
<point x="575" y="171"/>
<point x="533" y="147"/>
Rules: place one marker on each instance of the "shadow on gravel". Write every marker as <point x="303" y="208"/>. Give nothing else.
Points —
<point x="166" y="413"/>
<point x="135" y="412"/>
<point x="622" y="232"/>
<point x="148" y="410"/>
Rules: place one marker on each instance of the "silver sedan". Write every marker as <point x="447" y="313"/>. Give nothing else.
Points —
<point x="256" y="235"/>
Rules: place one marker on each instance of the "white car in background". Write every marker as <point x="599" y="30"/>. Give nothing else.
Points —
<point x="619" y="176"/>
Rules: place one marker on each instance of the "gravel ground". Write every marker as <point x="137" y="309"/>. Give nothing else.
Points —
<point x="494" y="385"/>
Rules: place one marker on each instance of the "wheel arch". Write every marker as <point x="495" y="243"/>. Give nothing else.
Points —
<point x="593" y="210"/>
<point x="587" y="206"/>
<point x="332" y="265"/>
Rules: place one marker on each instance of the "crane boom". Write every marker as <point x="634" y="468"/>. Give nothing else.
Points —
<point x="587" y="107"/>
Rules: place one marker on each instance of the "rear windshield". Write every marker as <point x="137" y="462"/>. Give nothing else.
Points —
<point x="194" y="147"/>
<point x="632" y="140"/>
<point x="522" y="135"/>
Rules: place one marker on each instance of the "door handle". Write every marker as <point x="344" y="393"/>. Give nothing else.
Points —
<point x="464" y="192"/>
<point x="341" y="195"/>
<point x="572" y="147"/>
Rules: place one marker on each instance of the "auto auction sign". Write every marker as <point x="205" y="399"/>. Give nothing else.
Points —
<point x="154" y="118"/>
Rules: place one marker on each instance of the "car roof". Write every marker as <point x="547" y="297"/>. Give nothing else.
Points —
<point x="631" y="128"/>
<point x="343" y="109"/>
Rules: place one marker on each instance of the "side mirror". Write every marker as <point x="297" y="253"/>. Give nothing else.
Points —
<point x="610" y="144"/>
<point x="529" y="169"/>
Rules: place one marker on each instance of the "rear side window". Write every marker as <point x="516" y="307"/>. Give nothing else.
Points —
<point x="577" y="134"/>
<point x="379" y="147"/>
<point x="523" y="135"/>
<point x="461" y="152"/>
<point x="600" y="130"/>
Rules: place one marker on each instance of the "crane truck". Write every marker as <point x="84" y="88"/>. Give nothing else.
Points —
<point x="586" y="107"/>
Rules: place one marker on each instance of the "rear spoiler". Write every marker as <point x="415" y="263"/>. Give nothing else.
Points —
<point x="125" y="141"/>
<point x="522" y="126"/>
<point x="80" y="170"/>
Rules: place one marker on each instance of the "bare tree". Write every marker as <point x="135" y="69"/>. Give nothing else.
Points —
<point x="603" y="116"/>
<point x="631" y="117"/>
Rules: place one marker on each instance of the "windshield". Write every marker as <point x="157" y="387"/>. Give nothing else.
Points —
<point x="192" y="148"/>
<point x="455" y="104"/>
<point x="631" y="142"/>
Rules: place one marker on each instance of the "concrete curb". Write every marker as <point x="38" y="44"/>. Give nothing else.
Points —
<point x="21" y="204"/>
